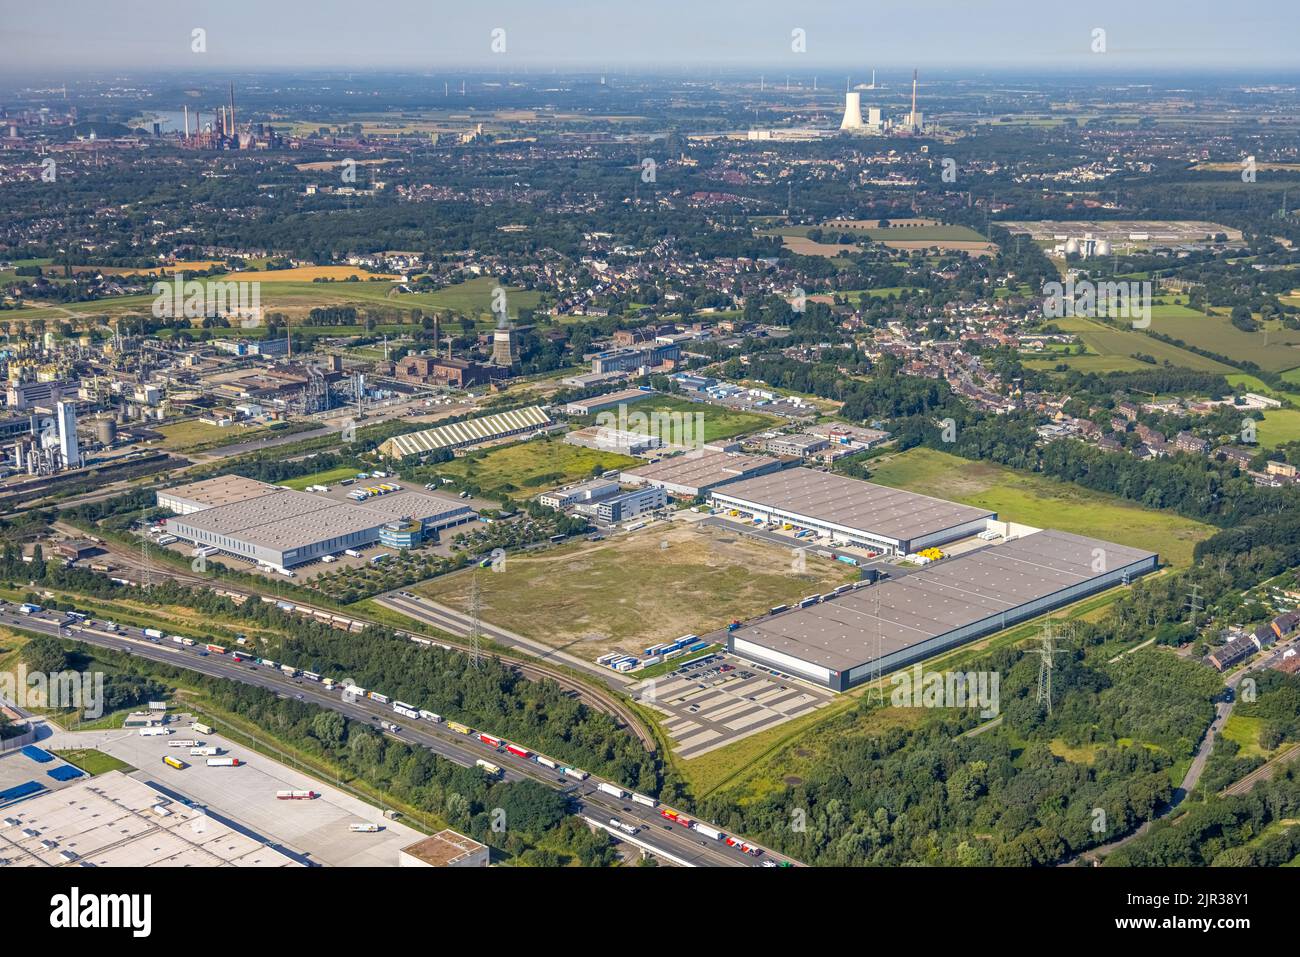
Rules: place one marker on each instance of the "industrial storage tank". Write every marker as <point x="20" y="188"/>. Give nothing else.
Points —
<point x="106" y="432"/>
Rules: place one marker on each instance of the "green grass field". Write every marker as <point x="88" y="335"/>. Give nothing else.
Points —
<point x="192" y="433"/>
<point x="1244" y="731"/>
<point x="472" y="298"/>
<point x="532" y="466"/>
<point x="327" y="477"/>
<point x="1042" y="502"/>
<point x="93" y="762"/>
<point x="1279" y="427"/>
<point x="719" y="423"/>
<point x="1278" y="352"/>
<point x="1253" y="384"/>
<point x="1118" y="345"/>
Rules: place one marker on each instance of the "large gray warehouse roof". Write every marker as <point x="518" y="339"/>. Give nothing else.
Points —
<point x="855" y="504"/>
<point x="844" y="632"/>
<point x="284" y="520"/>
<point x="221" y="490"/>
<point x="701" y="470"/>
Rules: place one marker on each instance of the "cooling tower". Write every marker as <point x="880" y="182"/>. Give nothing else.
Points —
<point x="852" y="112"/>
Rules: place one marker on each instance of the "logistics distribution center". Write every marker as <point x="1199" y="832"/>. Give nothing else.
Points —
<point x="283" y="528"/>
<point x="846" y="639"/>
<point x="853" y="512"/>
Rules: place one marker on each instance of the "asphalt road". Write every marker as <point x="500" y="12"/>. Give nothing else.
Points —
<point x="1222" y="712"/>
<point x="686" y="845"/>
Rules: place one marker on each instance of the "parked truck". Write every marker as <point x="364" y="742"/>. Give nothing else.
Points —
<point x="709" y="832"/>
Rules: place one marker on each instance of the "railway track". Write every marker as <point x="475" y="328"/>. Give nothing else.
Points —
<point x="529" y="668"/>
<point x="1263" y="772"/>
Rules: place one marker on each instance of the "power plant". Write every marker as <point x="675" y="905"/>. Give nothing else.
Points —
<point x="914" y="119"/>
<point x="913" y="122"/>
<point x="852" y="112"/>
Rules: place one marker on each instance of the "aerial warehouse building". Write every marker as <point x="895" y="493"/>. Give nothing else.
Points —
<point x="851" y="638"/>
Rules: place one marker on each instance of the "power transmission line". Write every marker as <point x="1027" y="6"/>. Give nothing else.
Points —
<point x="1047" y="664"/>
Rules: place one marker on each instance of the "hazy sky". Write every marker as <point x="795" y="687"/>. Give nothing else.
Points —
<point x="46" y="37"/>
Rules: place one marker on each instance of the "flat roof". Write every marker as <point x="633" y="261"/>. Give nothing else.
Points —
<point x="612" y="398"/>
<point x="846" y="632"/>
<point x="221" y="490"/>
<point x="444" y="848"/>
<point x="702" y="469"/>
<point x="799" y="439"/>
<point x="282" y="520"/>
<point x="852" y="503"/>
<point x="110" y="821"/>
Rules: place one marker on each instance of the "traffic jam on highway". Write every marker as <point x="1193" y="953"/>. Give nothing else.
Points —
<point x="77" y="621"/>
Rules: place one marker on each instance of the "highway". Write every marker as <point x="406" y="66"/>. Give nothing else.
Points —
<point x="529" y="667"/>
<point x="674" y="842"/>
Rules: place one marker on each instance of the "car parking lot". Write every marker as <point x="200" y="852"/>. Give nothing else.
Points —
<point x="717" y="700"/>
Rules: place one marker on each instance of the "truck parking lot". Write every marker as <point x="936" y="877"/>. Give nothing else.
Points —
<point x="715" y="701"/>
<point x="315" y="831"/>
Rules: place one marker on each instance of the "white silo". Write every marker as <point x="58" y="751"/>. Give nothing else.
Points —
<point x="1102" y="248"/>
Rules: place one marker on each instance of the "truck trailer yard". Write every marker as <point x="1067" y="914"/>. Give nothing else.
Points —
<point x="313" y="832"/>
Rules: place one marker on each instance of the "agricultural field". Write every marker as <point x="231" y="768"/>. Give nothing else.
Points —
<point x="635" y="590"/>
<point x="1276" y="352"/>
<point x="1119" y="345"/>
<point x="297" y="297"/>
<point x="529" y="467"/>
<point x="309" y="274"/>
<point x="1042" y="502"/>
<point x="719" y="422"/>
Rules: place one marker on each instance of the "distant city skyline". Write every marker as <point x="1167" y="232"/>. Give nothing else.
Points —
<point x="89" y="36"/>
